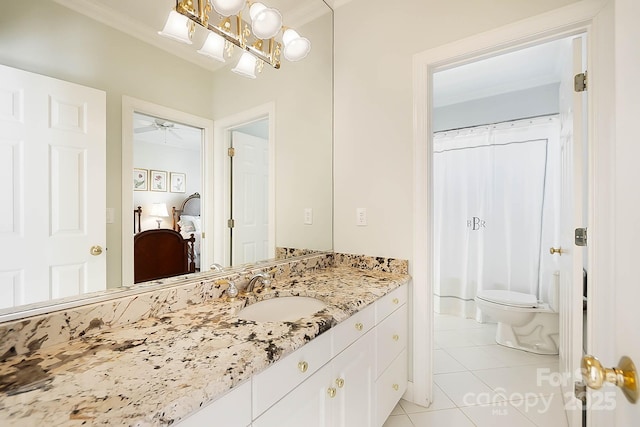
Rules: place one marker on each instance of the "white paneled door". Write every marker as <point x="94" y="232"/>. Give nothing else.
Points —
<point x="52" y="188"/>
<point x="572" y="201"/>
<point x="250" y="203"/>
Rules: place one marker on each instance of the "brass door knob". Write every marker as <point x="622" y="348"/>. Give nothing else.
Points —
<point x="396" y="300"/>
<point x="396" y="387"/>
<point x="359" y="326"/>
<point x="624" y="376"/>
<point x="558" y="251"/>
<point x="332" y="392"/>
<point x="95" y="250"/>
<point x="303" y="366"/>
<point x="395" y="337"/>
<point x="340" y="382"/>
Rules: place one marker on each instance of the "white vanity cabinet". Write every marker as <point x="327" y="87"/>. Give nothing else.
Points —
<point x="338" y="395"/>
<point x="231" y="409"/>
<point x="352" y="375"/>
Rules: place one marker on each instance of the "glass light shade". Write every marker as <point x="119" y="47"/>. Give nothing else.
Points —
<point x="265" y="22"/>
<point x="213" y="47"/>
<point x="246" y="66"/>
<point x="177" y="28"/>
<point x="228" y="7"/>
<point x="295" y="47"/>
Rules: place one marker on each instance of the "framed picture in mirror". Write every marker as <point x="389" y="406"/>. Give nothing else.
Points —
<point x="178" y="182"/>
<point x="140" y="180"/>
<point x="158" y="181"/>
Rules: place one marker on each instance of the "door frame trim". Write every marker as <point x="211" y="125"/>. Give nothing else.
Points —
<point x="129" y="106"/>
<point x="575" y="18"/>
<point x="221" y="141"/>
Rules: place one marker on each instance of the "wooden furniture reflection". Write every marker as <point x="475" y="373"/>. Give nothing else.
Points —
<point x="161" y="253"/>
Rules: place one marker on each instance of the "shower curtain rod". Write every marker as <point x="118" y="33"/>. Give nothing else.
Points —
<point x="497" y="123"/>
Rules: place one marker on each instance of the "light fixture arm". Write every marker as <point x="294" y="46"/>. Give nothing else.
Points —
<point x="240" y="37"/>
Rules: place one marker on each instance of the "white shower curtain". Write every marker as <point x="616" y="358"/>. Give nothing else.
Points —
<point x="491" y="184"/>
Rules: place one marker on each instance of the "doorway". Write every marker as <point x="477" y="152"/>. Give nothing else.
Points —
<point x="562" y="23"/>
<point x="245" y="165"/>
<point x="502" y="146"/>
<point x="157" y="121"/>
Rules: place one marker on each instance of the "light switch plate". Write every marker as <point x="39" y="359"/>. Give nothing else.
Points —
<point x="361" y="217"/>
<point x="308" y="216"/>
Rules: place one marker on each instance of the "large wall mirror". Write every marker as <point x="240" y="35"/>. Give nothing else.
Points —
<point x="113" y="46"/>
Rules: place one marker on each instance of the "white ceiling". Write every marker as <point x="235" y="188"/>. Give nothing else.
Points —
<point x="159" y="131"/>
<point x="144" y="18"/>
<point x="523" y="69"/>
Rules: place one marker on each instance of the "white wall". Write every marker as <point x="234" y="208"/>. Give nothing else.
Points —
<point x="373" y="107"/>
<point x="169" y="159"/>
<point x="303" y="96"/>
<point x="537" y="101"/>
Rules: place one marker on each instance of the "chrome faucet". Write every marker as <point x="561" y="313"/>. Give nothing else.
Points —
<point x="264" y="278"/>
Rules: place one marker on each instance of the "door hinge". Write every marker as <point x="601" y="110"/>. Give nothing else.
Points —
<point x="231" y="151"/>
<point x="231" y="223"/>
<point x="580" y="391"/>
<point x="580" y="82"/>
<point x="580" y="237"/>
<point x="202" y="236"/>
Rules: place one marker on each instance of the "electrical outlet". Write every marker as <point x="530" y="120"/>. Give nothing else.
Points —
<point x="361" y="216"/>
<point x="308" y="216"/>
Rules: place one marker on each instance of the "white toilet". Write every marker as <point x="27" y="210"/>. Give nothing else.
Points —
<point x="524" y="322"/>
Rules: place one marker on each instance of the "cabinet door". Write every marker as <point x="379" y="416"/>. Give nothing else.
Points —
<point x="307" y="405"/>
<point x="231" y="410"/>
<point x="354" y="384"/>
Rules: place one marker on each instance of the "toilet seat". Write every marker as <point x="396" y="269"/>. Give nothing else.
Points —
<point x="509" y="298"/>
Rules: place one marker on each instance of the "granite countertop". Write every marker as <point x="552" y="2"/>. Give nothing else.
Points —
<point x="159" y="370"/>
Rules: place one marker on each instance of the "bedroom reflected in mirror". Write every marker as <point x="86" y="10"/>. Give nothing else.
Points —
<point x="166" y="245"/>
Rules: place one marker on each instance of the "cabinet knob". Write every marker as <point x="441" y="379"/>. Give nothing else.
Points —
<point x="396" y="387"/>
<point x="396" y="300"/>
<point x="359" y="326"/>
<point x="332" y="392"/>
<point x="95" y="250"/>
<point x="395" y="337"/>
<point x="340" y="382"/>
<point x="303" y="366"/>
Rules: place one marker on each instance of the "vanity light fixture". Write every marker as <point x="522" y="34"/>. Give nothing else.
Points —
<point x="226" y="29"/>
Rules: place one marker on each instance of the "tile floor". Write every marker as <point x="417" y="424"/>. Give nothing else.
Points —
<point x="479" y="383"/>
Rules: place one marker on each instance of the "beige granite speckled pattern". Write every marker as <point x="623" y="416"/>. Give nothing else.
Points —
<point x="160" y="368"/>
<point x="43" y="331"/>
<point x="391" y="265"/>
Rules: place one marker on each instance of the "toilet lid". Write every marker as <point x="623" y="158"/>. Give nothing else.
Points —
<point x="516" y="299"/>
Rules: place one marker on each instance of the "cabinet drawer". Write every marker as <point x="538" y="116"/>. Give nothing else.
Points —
<point x="390" y="387"/>
<point x="390" y="302"/>
<point x="273" y="383"/>
<point x="391" y="338"/>
<point x="232" y="409"/>
<point x="347" y="332"/>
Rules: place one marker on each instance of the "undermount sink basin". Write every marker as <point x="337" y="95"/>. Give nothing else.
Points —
<point x="281" y="309"/>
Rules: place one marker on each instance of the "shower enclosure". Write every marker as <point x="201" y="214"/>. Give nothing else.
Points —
<point x="495" y="208"/>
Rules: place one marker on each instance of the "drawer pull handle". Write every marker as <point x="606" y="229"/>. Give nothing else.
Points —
<point x="340" y="382"/>
<point x="396" y="300"/>
<point x="396" y="387"/>
<point x="332" y="392"/>
<point x="359" y="326"/>
<point x="396" y="337"/>
<point x="303" y="366"/>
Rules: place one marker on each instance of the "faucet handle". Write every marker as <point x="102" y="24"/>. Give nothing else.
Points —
<point x="232" y="289"/>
